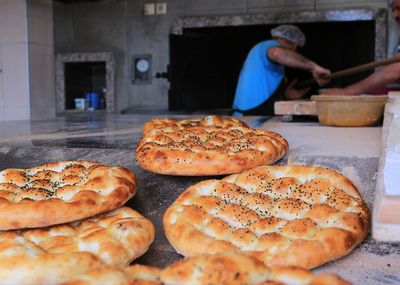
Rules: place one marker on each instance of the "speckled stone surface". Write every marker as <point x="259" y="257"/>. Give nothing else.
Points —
<point x="113" y="143"/>
<point x="378" y="15"/>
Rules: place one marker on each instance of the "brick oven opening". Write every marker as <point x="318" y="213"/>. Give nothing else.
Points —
<point x="205" y="62"/>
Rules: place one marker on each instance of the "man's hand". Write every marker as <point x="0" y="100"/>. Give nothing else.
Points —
<point x="337" y="91"/>
<point x="292" y="93"/>
<point x="320" y="74"/>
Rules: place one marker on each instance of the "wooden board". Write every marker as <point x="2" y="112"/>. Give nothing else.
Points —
<point x="295" y="107"/>
<point x="386" y="212"/>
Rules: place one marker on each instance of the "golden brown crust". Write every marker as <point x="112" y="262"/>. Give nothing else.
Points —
<point x="179" y="124"/>
<point x="283" y="215"/>
<point x="233" y="268"/>
<point x="117" y="237"/>
<point x="22" y="262"/>
<point x="61" y="192"/>
<point x="228" y="268"/>
<point x="132" y="275"/>
<point x="208" y="150"/>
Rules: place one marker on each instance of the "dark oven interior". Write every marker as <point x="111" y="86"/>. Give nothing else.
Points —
<point x="205" y="62"/>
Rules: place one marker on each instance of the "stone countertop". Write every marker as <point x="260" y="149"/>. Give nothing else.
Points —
<point x="111" y="140"/>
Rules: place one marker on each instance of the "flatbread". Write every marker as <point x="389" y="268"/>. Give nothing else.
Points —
<point x="132" y="275"/>
<point x="180" y="124"/>
<point x="233" y="268"/>
<point x="59" y="253"/>
<point x="117" y="237"/>
<point x="23" y="262"/>
<point x="282" y="215"/>
<point x="208" y="150"/>
<point x="228" y="268"/>
<point x="61" y="192"/>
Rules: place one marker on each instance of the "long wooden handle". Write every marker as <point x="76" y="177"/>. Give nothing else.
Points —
<point x="352" y="70"/>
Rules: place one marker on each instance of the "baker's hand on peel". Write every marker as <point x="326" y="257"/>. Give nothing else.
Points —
<point x="320" y="74"/>
<point x="293" y="93"/>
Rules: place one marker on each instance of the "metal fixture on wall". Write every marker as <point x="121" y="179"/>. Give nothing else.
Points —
<point x="141" y="69"/>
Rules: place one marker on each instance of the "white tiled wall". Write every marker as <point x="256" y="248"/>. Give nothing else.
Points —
<point x="41" y="59"/>
<point x="26" y="56"/>
<point x="1" y="83"/>
<point x="14" y="94"/>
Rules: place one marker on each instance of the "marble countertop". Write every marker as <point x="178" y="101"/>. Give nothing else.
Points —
<point x="111" y="140"/>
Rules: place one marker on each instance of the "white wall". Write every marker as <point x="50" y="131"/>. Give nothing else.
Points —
<point x="41" y="59"/>
<point x="26" y="60"/>
<point x="14" y="88"/>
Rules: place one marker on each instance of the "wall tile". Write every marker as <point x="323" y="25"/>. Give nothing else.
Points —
<point x="2" y="113"/>
<point x="63" y="27"/>
<point x="40" y="21"/>
<point x="1" y="58"/>
<point x="37" y="28"/>
<point x="113" y="9"/>
<point x="136" y="7"/>
<point x="214" y="7"/>
<point x="121" y="87"/>
<point x="2" y="103"/>
<point x="153" y="32"/>
<point x="174" y="6"/>
<point x="49" y="31"/>
<point x="42" y="112"/>
<point x="15" y="77"/>
<point x="39" y="7"/>
<point x="283" y="9"/>
<point x="16" y="113"/>
<point x="14" y="21"/>
<point x="305" y="3"/>
<point x="42" y="81"/>
<point x="38" y="75"/>
<point x="3" y="25"/>
<point x="99" y="34"/>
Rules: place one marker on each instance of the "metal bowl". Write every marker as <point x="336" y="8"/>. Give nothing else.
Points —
<point x="350" y="111"/>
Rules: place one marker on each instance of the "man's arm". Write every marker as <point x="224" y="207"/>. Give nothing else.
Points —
<point x="386" y="75"/>
<point x="293" y="59"/>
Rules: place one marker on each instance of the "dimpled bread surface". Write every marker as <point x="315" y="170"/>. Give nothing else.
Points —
<point x="208" y="150"/>
<point x="117" y="237"/>
<point x="23" y="262"/>
<point x="282" y="215"/>
<point x="228" y="268"/>
<point x="61" y="192"/>
<point x="212" y="120"/>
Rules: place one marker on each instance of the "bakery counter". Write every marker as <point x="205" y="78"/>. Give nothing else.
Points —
<point x="111" y="140"/>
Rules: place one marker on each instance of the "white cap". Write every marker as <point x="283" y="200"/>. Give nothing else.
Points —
<point x="289" y="32"/>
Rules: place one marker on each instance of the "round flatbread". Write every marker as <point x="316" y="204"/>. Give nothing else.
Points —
<point x="208" y="150"/>
<point x="23" y="262"/>
<point x="180" y="124"/>
<point x="221" y="269"/>
<point x="117" y="237"/>
<point x="282" y="215"/>
<point x="233" y="268"/>
<point x="61" y="192"/>
<point x="132" y="275"/>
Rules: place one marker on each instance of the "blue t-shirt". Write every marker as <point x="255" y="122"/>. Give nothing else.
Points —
<point x="259" y="77"/>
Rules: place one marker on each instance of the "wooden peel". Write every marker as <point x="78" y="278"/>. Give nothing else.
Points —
<point x="350" y="71"/>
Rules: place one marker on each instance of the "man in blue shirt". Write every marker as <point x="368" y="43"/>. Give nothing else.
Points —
<point x="261" y="80"/>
